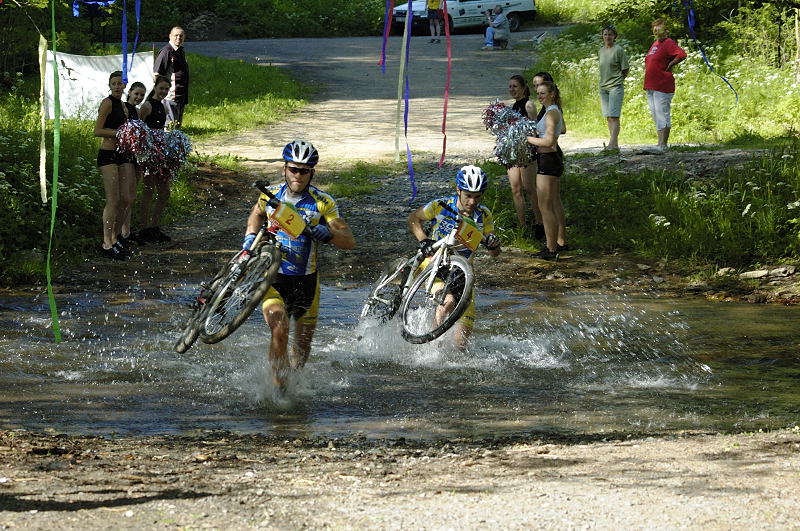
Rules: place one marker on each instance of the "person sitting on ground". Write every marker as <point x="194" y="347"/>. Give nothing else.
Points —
<point x="295" y="292"/>
<point x="498" y="27"/>
<point x="471" y="183"/>
<point x="154" y="114"/>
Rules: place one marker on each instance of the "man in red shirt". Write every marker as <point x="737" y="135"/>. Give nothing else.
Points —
<point x="659" y="83"/>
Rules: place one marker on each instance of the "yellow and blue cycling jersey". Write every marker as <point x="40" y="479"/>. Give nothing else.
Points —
<point x="444" y="221"/>
<point x="299" y="256"/>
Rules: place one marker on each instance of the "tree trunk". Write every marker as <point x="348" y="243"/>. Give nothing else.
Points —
<point x="797" y="45"/>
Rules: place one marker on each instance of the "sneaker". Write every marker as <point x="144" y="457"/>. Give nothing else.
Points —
<point x="158" y="236"/>
<point x="545" y="254"/>
<point x="112" y="253"/>
<point x="488" y="48"/>
<point x="538" y="231"/>
<point x="431" y="41"/>
<point x="562" y="248"/>
<point x="438" y="41"/>
<point x="125" y="251"/>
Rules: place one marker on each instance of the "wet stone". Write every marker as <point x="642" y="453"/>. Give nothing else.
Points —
<point x="759" y="273"/>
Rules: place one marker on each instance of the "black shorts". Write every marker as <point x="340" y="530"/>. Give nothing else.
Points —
<point x="106" y="157"/>
<point x="550" y="164"/>
<point x="299" y="293"/>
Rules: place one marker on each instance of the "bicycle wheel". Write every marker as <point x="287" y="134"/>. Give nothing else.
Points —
<point x="239" y="294"/>
<point x="200" y="307"/>
<point x="384" y="299"/>
<point x="419" y="307"/>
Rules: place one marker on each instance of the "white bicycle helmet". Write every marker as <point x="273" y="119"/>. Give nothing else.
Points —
<point x="471" y="179"/>
<point x="301" y="152"/>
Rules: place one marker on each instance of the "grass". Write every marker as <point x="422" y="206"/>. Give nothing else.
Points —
<point x="704" y="109"/>
<point x="358" y="180"/>
<point x="240" y="95"/>
<point x="235" y="95"/>
<point x="744" y="216"/>
<point x="561" y="11"/>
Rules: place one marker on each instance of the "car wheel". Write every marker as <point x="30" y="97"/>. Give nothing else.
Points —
<point x="514" y="21"/>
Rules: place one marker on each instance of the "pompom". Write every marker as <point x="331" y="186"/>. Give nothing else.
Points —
<point x="170" y="151"/>
<point x="133" y="138"/>
<point x="511" y="130"/>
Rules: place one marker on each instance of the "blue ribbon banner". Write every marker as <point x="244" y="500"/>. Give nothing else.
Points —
<point x="691" y="20"/>
<point x="76" y="11"/>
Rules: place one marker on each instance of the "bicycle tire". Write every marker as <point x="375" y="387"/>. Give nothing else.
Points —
<point x="191" y="331"/>
<point x="384" y="300"/>
<point x="417" y="301"/>
<point x="238" y="296"/>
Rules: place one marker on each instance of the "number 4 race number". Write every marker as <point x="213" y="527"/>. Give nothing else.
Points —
<point x="469" y="234"/>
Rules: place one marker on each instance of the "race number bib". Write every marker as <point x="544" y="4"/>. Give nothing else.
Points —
<point x="469" y="234"/>
<point x="289" y="219"/>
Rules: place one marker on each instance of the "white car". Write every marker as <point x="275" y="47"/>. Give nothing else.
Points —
<point x="465" y="13"/>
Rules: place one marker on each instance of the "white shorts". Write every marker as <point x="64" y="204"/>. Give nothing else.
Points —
<point x="660" y="103"/>
<point x="611" y="101"/>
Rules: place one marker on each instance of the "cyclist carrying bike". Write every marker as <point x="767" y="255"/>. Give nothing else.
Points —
<point x="471" y="182"/>
<point x="295" y="292"/>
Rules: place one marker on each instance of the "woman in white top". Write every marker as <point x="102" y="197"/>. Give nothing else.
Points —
<point x="550" y="166"/>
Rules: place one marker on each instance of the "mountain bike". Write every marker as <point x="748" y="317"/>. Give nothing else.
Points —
<point x="430" y="302"/>
<point x="229" y="298"/>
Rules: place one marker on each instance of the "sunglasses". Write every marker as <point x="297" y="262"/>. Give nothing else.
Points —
<point x="301" y="171"/>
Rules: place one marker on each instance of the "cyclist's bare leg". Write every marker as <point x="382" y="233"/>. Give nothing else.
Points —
<point x="278" y="321"/>
<point x="461" y="336"/>
<point x="301" y="347"/>
<point x="443" y="309"/>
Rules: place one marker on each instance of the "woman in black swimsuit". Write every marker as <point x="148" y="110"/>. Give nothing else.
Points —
<point x="118" y="173"/>
<point x="155" y="116"/>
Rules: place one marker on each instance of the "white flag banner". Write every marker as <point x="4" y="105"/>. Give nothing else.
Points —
<point x="83" y="81"/>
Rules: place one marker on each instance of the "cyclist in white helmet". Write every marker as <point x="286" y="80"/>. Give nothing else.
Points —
<point x="471" y="183"/>
<point x="295" y="292"/>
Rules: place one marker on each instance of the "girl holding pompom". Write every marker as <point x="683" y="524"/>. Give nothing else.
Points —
<point x="154" y="115"/>
<point x="117" y="171"/>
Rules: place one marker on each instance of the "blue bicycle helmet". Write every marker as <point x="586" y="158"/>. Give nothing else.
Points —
<point x="301" y="152"/>
<point x="471" y="179"/>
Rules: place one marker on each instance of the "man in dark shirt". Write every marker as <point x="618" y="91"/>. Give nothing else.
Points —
<point x="171" y="62"/>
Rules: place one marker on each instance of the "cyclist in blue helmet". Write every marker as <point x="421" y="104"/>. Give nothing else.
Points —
<point x="471" y="183"/>
<point x="295" y="292"/>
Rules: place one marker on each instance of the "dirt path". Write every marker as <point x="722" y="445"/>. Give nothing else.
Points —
<point x="231" y="481"/>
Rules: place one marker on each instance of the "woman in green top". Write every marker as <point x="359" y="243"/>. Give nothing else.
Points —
<point x="613" y="70"/>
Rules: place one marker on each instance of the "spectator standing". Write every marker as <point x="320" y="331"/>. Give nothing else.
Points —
<point x="136" y="94"/>
<point x="659" y="82"/>
<point x="116" y="170"/>
<point x="154" y="115"/>
<point x="614" y="69"/>
<point x="171" y="62"/>
<point x="550" y="167"/>
<point x="498" y="27"/>
<point x="521" y="178"/>
<point x="434" y="16"/>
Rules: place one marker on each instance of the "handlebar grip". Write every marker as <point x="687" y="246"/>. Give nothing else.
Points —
<point x="263" y="187"/>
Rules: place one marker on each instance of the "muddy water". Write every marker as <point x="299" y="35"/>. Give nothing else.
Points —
<point x="553" y="363"/>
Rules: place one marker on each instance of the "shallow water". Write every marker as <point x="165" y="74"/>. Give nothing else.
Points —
<point x="542" y="363"/>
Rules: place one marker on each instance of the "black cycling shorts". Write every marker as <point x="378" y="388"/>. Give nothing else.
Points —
<point x="299" y="293"/>
<point x="550" y="164"/>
